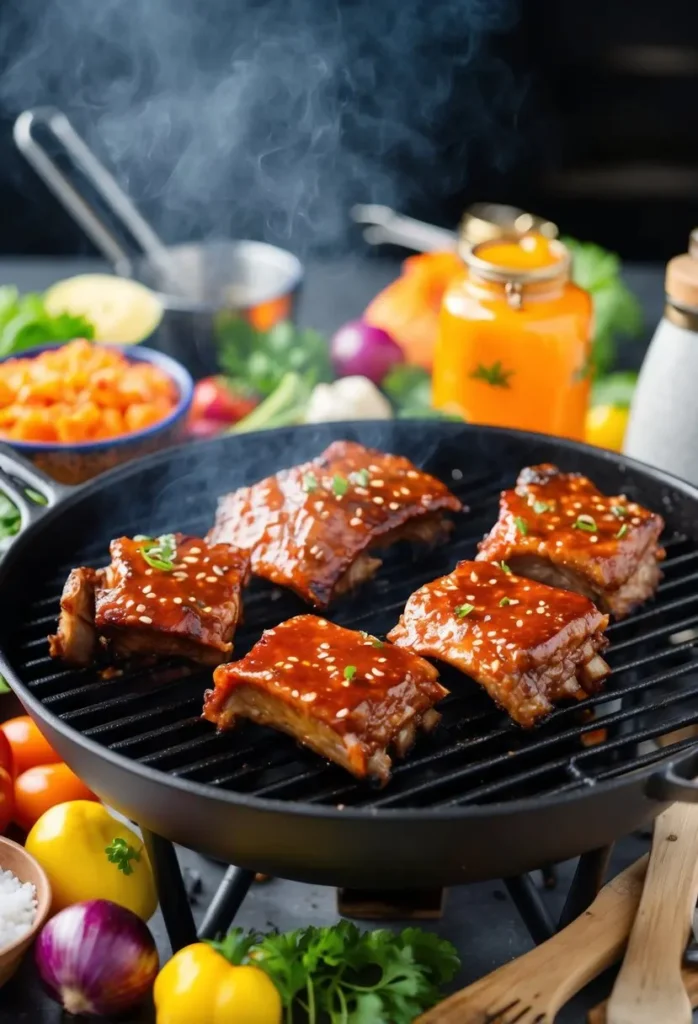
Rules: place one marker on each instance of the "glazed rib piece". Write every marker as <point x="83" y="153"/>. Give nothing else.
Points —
<point x="560" y="529"/>
<point x="172" y="595"/>
<point x="527" y="644"/>
<point x="310" y="527"/>
<point x="348" y="696"/>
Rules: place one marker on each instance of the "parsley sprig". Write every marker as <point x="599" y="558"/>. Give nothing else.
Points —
<point x="342" y="975"/>
<point x="121" y="853"/>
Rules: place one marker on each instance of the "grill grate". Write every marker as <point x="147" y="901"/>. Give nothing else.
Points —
<point x="477" y="756"/>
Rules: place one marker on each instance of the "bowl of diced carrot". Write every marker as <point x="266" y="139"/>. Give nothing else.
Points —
<point x="79" y="408"/>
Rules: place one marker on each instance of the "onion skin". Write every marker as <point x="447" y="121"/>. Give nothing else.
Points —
<point x="97" y="958"/>
<point x="359" y="349"/>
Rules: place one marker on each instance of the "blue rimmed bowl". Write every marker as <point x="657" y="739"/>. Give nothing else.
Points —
<point x="74" y="463"/>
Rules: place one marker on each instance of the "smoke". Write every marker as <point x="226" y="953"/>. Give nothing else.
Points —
<point x="269" y="118"/>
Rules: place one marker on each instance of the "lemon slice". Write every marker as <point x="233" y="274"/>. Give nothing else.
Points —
<point x="122" y="311"/>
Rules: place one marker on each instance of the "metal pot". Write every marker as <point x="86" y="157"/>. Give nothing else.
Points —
<point x="198" y="284"/>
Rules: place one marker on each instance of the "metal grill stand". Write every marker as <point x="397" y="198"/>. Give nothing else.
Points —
<point x="181" y="929"/>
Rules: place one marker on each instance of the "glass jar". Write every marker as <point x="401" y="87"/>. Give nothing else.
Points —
<point x="514" y="341"/>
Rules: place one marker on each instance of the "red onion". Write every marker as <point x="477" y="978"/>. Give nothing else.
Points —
<point x="358" y="349"/>
<point x="97" y="958"/>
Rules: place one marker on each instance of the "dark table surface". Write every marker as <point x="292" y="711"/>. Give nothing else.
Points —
<point x="479" y="919"/>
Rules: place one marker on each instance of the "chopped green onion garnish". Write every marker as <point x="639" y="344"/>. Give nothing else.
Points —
<point x="350" y="671"/>
<point x="539" y="507"/>
<point x="504" y="567"/>
<point x="159" y="552"/>
<point x="521" y="525"/>
<point x="340" y="485"/>
<point x="360" y="477"/>
<point x="584" y="522"/>
<point x="309" y="483"/>
<point x="622" y="532"/>
<point x="464" y="609"/>
<point x="619" y="511"/>
<point x="504" y="601"/>
<point x="376" y="642"/>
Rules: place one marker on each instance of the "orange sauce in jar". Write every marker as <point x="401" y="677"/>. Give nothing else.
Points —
<point x="514" y="342"/>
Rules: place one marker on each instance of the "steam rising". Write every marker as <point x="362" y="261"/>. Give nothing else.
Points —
<point x="269" y="118"/>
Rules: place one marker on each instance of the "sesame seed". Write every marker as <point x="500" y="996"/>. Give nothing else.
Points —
<point x="324" y="646"/>
<point x="177" y="600"/>
<point x="405" y="491"/>
<point x="322" y="622"/>
<point x="412" y="474"/>
<point x="377" y="483"/>
<point x="382" y="660"/>
<point x="140" y="607"/>
<point x="200" y="575"/>
<point x="278" y="664"/>
<point x="129" y="604"/>
<point x="487" y="618"/>
<point x="218" y="571"/>
<point x="146" y="590"/>
<point x="477" y="643"/>
<point x="492" y="582"/>
<point x="195" y="551"/>
<point x="378" y="500"/>
<point x="355" y="522"/>
<point x="473" y="577"/>
<point x="393" y="506"/>
<point x="519" y="622"/>
<point x="342" y="713"/>
<point x="345" y="682"/>
<point x="211" y="579"/>
<point x="292" y="657"/>
<point x="190" y="559"/>
<point x="294" y="693"/>
<point x="309" y="697"/>
<point x="377" y="672"/>
<point x="146" y="619"/>
<point x="181" y="575"/>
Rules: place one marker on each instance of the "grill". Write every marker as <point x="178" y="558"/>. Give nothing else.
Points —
<point x="476" y="761"/>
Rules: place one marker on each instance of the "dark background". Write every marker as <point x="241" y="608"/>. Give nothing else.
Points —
<point x="586" y="113"/>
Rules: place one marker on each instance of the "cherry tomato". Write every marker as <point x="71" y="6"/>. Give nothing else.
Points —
<point x="7" y="799"/>
<point x="44" y="786"/>
<point x="214" y="400"/>
<point x="28" y="745"/>
<point x="5" y="753"/>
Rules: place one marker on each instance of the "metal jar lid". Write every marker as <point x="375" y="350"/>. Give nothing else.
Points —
<point x="515" y="280"/>
<point x="485" y="222"/>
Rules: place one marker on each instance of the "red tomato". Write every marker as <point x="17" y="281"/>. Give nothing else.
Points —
<point x="28" y="745"/>
<point x="44" y="786"/>
<point x="5" y="753"/>
<point x="214" y="400"/>
<point x="7" y="799"/>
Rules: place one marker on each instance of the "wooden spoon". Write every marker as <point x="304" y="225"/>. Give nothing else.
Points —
<point x="690" y="979"/>
<point x="649" y="988"/>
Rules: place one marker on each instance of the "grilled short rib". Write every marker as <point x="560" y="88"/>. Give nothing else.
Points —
<point x="527" y="644"/>
<point x="147" y="604"/>
<point x="560" y="529"/>
<point x="310" y="528"/>
<point x="348" y="696"/>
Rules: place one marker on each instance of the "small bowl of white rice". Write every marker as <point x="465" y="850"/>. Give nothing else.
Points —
<point x="25" y="901"/>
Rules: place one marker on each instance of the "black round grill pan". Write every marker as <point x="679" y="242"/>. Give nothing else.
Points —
<point x="479" y="799"/>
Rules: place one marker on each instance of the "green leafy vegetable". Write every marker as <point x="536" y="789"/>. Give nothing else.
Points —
<point x="495" y="375"/>
<point x="121" y="853"/>
<point x="615" y="389"/>
<point x="257" y="361"/>
<point x="616" y="310"/>
<point x="284" y="407"/>
<point x="160" y="552"/>
<point x="24" y="323"/>
<point x="462" y="610"/>
<point x="340" y="975"/>
<point x="409" y="390"/>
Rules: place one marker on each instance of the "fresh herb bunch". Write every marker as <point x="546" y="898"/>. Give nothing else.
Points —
<point x="341" y="975"/>
<point x="616" y="310"/>
<point x="24" y="322"/>
<point x="409" y="390"/>
<point x="257" y="361"/>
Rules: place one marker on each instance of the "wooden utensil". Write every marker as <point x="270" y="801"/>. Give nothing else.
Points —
<point x="649" y="987"/>
<point x="532" y="988"/>
<point x="690" y="979"/>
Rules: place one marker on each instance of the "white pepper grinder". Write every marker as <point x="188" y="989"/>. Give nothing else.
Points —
<point x="663" y="425"/>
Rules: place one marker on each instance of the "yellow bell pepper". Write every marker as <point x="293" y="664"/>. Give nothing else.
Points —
<point x="199" y="984"/>
<point x="89" y="855"/>
<point x="606" y="426"/>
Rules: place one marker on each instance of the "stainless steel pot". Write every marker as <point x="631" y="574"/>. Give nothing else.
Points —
<point x="198" y="284"/>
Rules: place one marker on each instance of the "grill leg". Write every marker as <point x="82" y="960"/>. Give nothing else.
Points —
<point x="174" y="904"/>
<point x="588" y="879"/>
<point x="532" y="909"/>
<point x="226" y="903"/>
